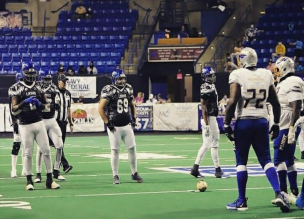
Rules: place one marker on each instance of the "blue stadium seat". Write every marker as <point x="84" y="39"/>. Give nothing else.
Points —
<point x="65" y="56"/>
<point x="54" y="64"/>
<point x="22" y="48"/>
<point x="26" y="57"/>
<point x="66" y="39"/>
<point x="45" y="55"/>
<point x="94" y="56"/>
<point x="16" y="64"/>
<point x="13" y="48"/>
<point x="32" y="49"/>
<point x="104" y="38"/>
<point x="6" y="57"/>
<point x="45" y="64"/>
<point x="74" y="56"/>
<point x="16" y="57"/>
<point x="26" y="32"/>
<point x="61" y="48"/>
<point x="70" y="47"/>
<point x="55" y="56"/>
<point x="104" y="56"/>
<point x="19" y="39"/>
<point x="95" y="39"/>
<point x="57" y="39"/>
<point x="36" y="57"/>
<point x="3" y="48"/>
<point x="10" y="39"/>
<point x="51" y="48"/>
<point x="38" y="40"/>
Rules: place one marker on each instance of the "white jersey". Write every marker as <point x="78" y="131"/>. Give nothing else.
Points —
<point x="254" y="91"/>
<point x="289" y="90"/>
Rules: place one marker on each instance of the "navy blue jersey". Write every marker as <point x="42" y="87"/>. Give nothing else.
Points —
<point x="28" y="114"/>
<point x="208" y="92"/>
<point x="118" y="108"/>
<point x="51" y="92"/>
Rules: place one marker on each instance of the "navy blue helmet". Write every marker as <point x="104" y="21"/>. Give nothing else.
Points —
<point x="29" y="72"/>
<point x="208" y="75"/>
<point x="45" y="77"/>
<point x="119" y="78"/>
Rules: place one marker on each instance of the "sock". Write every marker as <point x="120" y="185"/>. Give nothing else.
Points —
<point x="38" y="160"/>
<point x="282" y="173"/>
<point x="201" y="153"/>
<point x="49" y="177"/>
<point x="302" y="186"/>
<point x="242" y="177"/>
<point x="58" y="154"/>
<point x="14" y="162"/>
<point x="47" y="163"/>
<point x="292" y="176"/>
<point x="214" y="155"/>
<point x="272" y="177"/>
<point x="132" y="159"/>
<point x="29" y="178"/>
<point x="114" y="161"/>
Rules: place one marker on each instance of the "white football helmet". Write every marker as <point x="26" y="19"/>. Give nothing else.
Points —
<point x="283" y="66"/>
<point x="247" y="58"/>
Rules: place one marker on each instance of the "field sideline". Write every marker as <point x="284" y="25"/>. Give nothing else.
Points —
<point x="168" y="190"/>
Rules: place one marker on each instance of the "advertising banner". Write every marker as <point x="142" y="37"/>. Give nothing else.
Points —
<point x="174" y="54"/>
<point x="82" y="86"/>
<point x="144" y="120"/>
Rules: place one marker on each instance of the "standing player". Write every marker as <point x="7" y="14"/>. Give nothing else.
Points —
<point x="51" y="125"/>
<point x="210" y="133"/>
<point x="17" y="139"/>
<point x="249" y="89"/>
<point x="118" y="99"/>
<point x="28" y="100"/>
<point x="290" y="93"/>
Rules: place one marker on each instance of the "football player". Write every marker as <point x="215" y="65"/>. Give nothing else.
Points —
<point x="52" y="128"/>
<point x="17" y="139"/>
<point x="210" y="133"/>
<point x="28" y="100"/>
<point x="250" y="87"/>
<point x="117" y="98"/>
<point x="290" y="93"/>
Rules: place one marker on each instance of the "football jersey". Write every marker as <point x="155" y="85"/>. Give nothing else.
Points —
<point x="208" y="92"/>
<point x="29" y="114"/>
<point x="51" y="92"/>
<point x="254" y="91"/>
<point x="10" y="92"/>
<point x="118" y="108"/>
<point x="289" y="90"/>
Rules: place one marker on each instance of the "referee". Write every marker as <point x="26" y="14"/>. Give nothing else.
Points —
<point x="64" y="115"/>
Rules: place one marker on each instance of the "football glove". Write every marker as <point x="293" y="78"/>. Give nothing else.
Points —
<point x="275" y="129"/>
<point x="229" y="133"/>
<point x="111" y="126"/>
<point x="207" y="131"/>
<point x="37" y="103"/>
<point x="291" y="135"/>
<point x="133" y="122"/>
<point x="30" y="100"/>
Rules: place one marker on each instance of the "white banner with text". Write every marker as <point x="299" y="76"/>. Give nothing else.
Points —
<point x="82" y="86"/>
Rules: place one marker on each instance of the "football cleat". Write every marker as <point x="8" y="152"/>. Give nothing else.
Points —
<point x="68" y="169"/>
<point x="136" y="177"/>
<point x="13" y="174"/>
<point x="300" y="201"/>
<point x="220" y="174"/>
<point x="116" y="180"/>
<point x="57" y="175"/>
<point x="194" y="172"/>
<point x="38" y="178"/>
<point x="295" y="192"/>
<point x="281" y="201"/>
<point x="239" y="205"/>
<point x="52" y="185"/>
<point x="29" y="186"/>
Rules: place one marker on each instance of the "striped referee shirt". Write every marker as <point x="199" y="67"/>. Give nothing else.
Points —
<point x="65" y="103"/>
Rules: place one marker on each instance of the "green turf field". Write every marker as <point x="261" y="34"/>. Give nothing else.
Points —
<point x="88" y="191"/>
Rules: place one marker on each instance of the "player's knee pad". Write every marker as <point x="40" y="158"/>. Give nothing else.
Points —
<point x="268" y="166"/>
<point x="291" y="168"/>
<point x="281" y="166"/>
<point x="16" y="148"/>
<point x="241" y="168"/>
<point x="17" y="137"/>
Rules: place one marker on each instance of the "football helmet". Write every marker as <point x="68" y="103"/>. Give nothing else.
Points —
<point x="29" y="72"/>
<point x="119" y="78"/>
<point x="19" y="77"/>
<point x="45" y="77"/>
<point x="208" y="75"/>
<point x="247" y="58"/>
<point x="283" y="66"/>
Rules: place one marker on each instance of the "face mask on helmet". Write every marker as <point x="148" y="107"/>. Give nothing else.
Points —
<point x="19" y="77"/>
<point x="283" y="67"/>
<point x="29" y="72"/>
<point x="119" y="78"/>
<point x="46" y="77"/>
<point x="208" y="75"/>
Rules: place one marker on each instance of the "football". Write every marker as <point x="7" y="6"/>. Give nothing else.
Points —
<point x="202" y="186"/>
